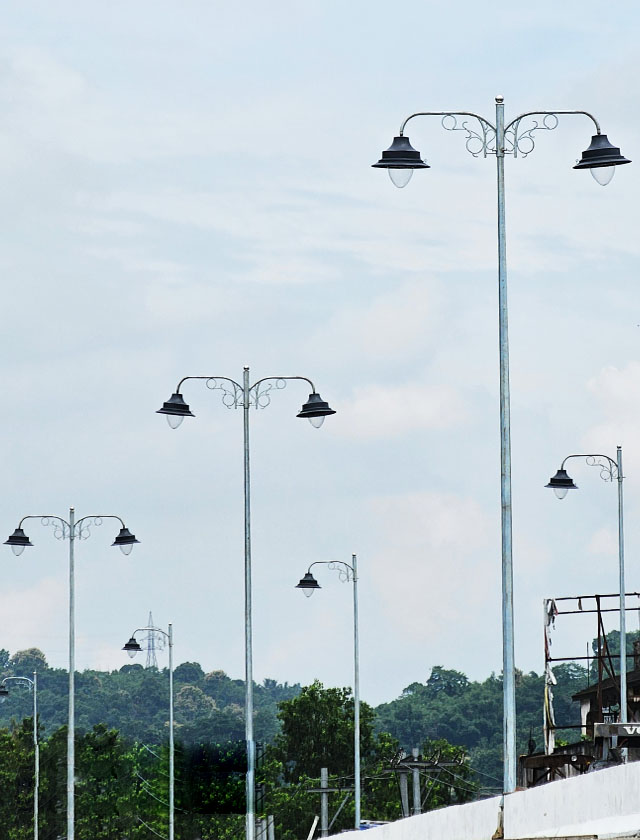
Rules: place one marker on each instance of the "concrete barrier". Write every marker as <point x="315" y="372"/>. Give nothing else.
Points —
<point x="605" y="804"/>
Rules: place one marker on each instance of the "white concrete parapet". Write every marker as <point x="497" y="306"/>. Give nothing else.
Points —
<point x="604" y="804"/>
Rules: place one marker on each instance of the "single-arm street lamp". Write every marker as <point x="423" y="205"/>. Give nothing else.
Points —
<point x="33" y="687"/>
<point x="133" y="647"/>
<point x="484" y="139"/>
<point x="71" y="530"/>
<point x="309" y="584"/>
<point x="610" y="470"/>
<point x="247" y="396"/>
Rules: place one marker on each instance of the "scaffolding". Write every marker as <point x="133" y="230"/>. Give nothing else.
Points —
<point x="580" y="605"/>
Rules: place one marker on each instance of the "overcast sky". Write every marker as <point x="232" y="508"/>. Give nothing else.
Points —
<point x="186" y="189"/>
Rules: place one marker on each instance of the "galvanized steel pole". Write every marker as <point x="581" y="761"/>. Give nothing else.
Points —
<point x="623" y="600"/>
<point x="171" y="742"/>
<point x="71" y="728"/>
<point x="356" y="694"/>
<point x="36" y="751"/>
<point x="250" y="826"/>
<point x="508" y="657"/>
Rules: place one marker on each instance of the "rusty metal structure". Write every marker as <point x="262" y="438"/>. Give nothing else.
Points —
<point x="581" y="605"/>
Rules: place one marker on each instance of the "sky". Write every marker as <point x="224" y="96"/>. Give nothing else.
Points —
<point x="186" y="189"/>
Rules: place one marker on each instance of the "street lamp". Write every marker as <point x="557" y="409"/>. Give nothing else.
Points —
<point x="400" y="159"/>
<point x="33" y="687"/>
<point x="308" y="584"/>
<point x="246" y="396"/>
<point x="71" y="530"/>
<point x="610" y="470"/>
<point x="133" y="647"/>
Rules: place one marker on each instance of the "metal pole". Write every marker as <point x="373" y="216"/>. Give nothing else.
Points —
<point x="404" y="792"/>
<point x="623" y="618"/>
<point x="415" y="772"/>
<point x="72" y="666"/>
<point x="508" y="665"/>
<point x="36" y="750"/>
<point x="324" y="802"/>
<point x="248" y="649"/>
<point x="171" y="744"/>
<point x="356" y="694"/>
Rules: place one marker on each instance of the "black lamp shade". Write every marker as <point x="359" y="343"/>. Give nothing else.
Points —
<point x="125" y="537"/>
<point x="18" y="538"/>
<point x="315" y="407"/>
<point x="401" y="155"/>
<point x="4" y="691"/>
<point x="308" y="582"/>
<point x="600" y="153"/>
<point x="561" y="481"/>
<point x="132" y="646"/>
<point x="176" y="406"/>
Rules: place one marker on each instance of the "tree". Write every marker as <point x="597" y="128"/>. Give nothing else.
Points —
<point x="25" y="662"/>
<point x="317" y="731"/>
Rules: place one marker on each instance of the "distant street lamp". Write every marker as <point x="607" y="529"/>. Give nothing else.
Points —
<point x="400" y="159"/>
<point x="72" y="530"/>
<point x="246" y="396"/>
<point x="33" y="687"/>
<point x="610" y="470"/>
<point x="133" y="647"/>
<point x="308" y="584"/>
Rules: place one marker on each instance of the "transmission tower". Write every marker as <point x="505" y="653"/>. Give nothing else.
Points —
<point x="154" y="641"/>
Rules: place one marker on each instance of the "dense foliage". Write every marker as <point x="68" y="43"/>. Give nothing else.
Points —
<point x="122" y="761"/>
<point x="209" y="708"/>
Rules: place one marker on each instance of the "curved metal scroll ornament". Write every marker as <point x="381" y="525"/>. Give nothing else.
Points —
<point x="522" y="142"/>
<point x="344" y="571"/>
<point x="260" y="393"/>
<point x="84" y="526"/>
<point x="608" y="468"/>
<point x="60" y="526"/>
<point x="478" y="143"/>
<point x="231" y="392"/>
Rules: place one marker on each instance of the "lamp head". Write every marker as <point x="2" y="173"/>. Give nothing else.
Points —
<point x="4" y="693"/>
<point x="315" y="410"/>
<point x="561" y="483"/>
<point x="132" y="647"/>
<point x="18" y="541"/>
<point x="125" y="540"/>
<point x="175" y="409"/>
<point x="600" y="158"/>
<point x="308" y="584"/>
<point x="400" y="159"/>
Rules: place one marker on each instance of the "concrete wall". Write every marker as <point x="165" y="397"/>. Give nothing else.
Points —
<point x="605" y="803"/>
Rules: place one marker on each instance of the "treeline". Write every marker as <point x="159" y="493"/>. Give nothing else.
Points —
<point x="122" y="788"/>
<point x="209" y="708"/>
<point x="122" y="727"/>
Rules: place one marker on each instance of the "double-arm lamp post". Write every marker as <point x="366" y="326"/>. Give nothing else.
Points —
<point x="71" y="530"/>
<point x="482" y="139"/>
<point x="33" y="687"/>
<point x="309" y="584"/>
<point x="133" y="647"/>
<point x="610" y="470"/>
<point x="246" y="396"/>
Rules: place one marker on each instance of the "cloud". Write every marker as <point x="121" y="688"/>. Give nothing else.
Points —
<point x="389" y="411"/>
<point x="430" y="567"/>
<point x="604" y="541"/>
<point x="29" y="613"/>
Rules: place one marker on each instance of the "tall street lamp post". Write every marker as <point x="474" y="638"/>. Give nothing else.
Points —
<point x="610" y="470"/>
<point x="498" y="139"/>
<point x="246" y="396"/>
<point x="33" y="687"/>
<point x="309" y="584"/>
<point x="133" y="647"/>
<point x="71" y="530"/>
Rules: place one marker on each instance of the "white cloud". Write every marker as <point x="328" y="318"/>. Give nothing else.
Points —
<point x="390" y="411"/>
